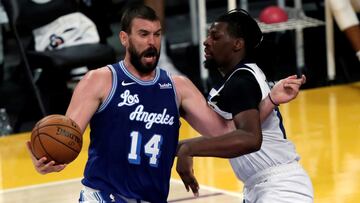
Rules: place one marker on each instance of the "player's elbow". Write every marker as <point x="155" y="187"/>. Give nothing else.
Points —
<point x="257" y="146"/>
<point x="249" y="143"/>
<point x="255" y="142"/>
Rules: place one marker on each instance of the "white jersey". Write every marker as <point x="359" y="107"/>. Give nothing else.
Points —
<point x="275" y="149"/>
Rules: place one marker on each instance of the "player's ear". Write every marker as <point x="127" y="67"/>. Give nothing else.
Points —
<point x="123" y="36"/>
<point x="239" y="44"/>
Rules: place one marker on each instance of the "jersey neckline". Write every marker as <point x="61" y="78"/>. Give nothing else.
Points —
<point x="137" y="80"/>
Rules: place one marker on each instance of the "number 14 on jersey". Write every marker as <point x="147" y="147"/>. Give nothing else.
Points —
<point x="151" y="148"/>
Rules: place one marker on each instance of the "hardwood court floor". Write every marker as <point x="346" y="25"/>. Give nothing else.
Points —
<point x="324" y="124"/>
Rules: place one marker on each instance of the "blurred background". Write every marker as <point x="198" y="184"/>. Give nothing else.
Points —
<point x="298" y="44"/>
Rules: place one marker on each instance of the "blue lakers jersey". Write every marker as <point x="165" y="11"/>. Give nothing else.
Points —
<point x="133" y="137"/>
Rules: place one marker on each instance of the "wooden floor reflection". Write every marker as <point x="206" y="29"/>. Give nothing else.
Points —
<point x="324" y="124"/>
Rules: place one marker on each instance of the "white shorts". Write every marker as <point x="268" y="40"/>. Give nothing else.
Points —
<point x="285" y="183"/>
<point x="89" y="195"/>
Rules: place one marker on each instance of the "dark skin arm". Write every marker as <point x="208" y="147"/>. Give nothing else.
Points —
<point x="247" y="138"/>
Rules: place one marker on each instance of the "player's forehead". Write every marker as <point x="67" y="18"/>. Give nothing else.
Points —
<point x="144" y="24"/>
<point x="218" y="27"/>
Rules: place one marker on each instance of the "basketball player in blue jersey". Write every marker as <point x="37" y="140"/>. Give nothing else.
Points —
<point x="134" y="108"/>
<point x="260" y="153"/>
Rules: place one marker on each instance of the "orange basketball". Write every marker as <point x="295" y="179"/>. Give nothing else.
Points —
<point x="57" y="138"/>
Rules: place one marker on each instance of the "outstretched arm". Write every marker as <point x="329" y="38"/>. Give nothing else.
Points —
<point x="195" y="110"/>
<point x="283" y="92"/>
<point x="87" y="97"/>
<point x="245" y="139"/>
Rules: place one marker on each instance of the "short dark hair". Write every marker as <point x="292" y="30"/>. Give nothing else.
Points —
<point x="136" y="11"/>
<point x="241" y="24"/>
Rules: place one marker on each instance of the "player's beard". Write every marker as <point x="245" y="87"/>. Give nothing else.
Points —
<point x="135" y="59"/>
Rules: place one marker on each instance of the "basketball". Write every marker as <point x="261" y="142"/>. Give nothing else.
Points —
<point x="273" y="14"/>
<point x="56" y="137"/>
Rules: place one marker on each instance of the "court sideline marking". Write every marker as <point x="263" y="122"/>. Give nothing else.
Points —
<point x="215" y="191"/>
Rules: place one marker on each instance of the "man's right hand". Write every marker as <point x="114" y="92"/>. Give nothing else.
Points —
<point x="41" y="166"/>
<point x="184" y="167"/>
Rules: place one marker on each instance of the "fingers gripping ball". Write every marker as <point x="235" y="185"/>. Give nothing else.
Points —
<point x="273" y="14"/>
<point x="56" y="137"/>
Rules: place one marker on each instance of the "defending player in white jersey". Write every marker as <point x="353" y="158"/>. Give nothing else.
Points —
<point x="260" y="154"/>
